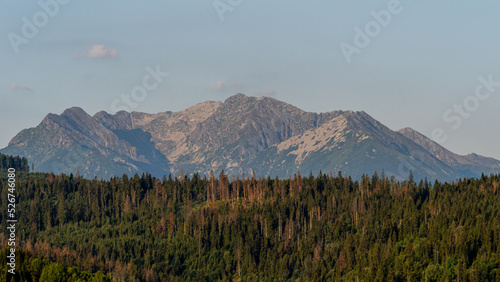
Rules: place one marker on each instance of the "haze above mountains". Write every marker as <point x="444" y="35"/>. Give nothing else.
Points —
<point x="240" y="135"/>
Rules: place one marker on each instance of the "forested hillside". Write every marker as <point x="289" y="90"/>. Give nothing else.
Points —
<point x="204" y="229"/>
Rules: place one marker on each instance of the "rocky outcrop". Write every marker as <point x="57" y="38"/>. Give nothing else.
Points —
<point x="240" y="135"/>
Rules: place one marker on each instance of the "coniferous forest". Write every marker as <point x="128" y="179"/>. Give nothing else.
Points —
<point x="194" y="228"/>
<point x="18" y="163"/>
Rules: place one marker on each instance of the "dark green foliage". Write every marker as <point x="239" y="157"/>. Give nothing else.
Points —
<point x="17" y="163"/>
<point x="312" y="228"/>
<point x="29" y="268"/>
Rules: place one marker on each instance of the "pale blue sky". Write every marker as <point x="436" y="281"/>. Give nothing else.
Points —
<point x="89" y="53"/>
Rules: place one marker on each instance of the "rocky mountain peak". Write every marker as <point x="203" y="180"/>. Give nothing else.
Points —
<point x="238" y="97"/>
<point x="239" y="135"/>
<point x="408" y="131"/>
<point x="75" y="113"/>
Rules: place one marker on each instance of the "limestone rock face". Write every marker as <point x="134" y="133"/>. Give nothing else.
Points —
<point x="240" y="135"/>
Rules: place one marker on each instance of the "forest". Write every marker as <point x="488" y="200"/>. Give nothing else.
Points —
<point x="327" y="227"/>
<point x="15" y="162"/>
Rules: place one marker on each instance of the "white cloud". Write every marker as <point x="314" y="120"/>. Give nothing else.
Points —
<point x="99" y="51"/>
<point x="16" y="86"/>
<point x="266" y="92"/>
<point x="222" y="86"/>
<point x="218" y="86"/>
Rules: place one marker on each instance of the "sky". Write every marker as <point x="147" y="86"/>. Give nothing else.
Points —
<point x="430" y="65"/>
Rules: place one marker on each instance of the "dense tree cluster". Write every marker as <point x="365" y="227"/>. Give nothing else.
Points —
<point x="222" y="228"/>
<point x="29" y="268"/>
<point x="18" y="163"/>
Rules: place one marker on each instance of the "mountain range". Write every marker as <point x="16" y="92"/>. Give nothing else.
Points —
<point x="242" y="135"/>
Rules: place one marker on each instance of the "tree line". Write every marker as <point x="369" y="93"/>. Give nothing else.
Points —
<point x="16" y="162"/>
<point x="205" y="228"/>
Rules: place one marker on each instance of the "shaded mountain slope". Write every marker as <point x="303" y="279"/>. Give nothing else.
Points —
<point x="243" y="134"/>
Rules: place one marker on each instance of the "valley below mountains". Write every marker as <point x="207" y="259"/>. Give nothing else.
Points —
<point x="242" y="135"/>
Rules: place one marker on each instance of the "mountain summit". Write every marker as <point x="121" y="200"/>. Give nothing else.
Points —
<point x="243" y="134"/>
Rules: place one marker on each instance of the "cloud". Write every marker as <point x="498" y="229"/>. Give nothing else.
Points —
<point x="16" y="86"/>
<point x="220" y="86"/>
<point x="266" y="92"/>
<point x="98" y="51"/>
